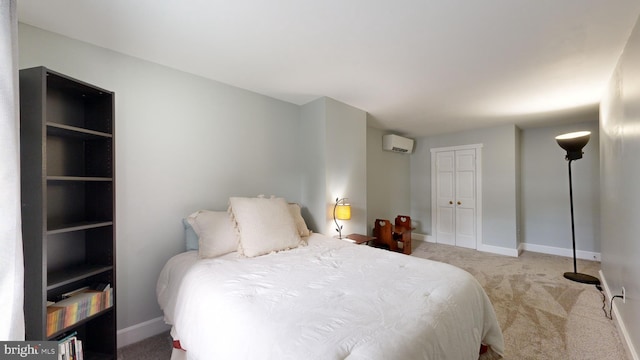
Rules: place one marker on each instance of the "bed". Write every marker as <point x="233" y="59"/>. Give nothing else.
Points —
<point x="323" y="299"/>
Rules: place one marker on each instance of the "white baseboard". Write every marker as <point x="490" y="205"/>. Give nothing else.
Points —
<point x="422" y="237"/>
<point x="498" y="250"/>
<point x="619" y="321"/>
<point x="485" y="248"/>
<point x="551" y="250"/>
<point x="141" y="331"/>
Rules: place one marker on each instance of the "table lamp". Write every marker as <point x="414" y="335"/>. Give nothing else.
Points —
<point x="341" y="211"/>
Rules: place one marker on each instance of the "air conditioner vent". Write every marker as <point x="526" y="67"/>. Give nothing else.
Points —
<point x="397" y="143"/>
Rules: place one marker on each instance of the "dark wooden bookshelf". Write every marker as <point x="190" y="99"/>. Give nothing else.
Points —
<point x="68" y="201"/>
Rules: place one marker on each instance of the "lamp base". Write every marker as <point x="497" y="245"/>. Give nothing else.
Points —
<point x="582" y="278"/>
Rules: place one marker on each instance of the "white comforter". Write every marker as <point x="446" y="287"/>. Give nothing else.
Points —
<point x="330" y="300"/>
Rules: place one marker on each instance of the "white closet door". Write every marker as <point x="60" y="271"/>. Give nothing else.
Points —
<point x="455" y="175"/>
<point x="445" y="208"/>
<point x="465" y="185"/>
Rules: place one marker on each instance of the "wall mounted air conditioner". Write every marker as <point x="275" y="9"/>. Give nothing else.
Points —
<point x="397" y="143"/>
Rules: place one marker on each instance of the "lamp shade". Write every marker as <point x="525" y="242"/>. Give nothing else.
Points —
<point x="343" y="212"/>
<point x="573" y="143"/>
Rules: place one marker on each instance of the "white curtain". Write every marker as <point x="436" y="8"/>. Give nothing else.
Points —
<point x="11" y="261"/>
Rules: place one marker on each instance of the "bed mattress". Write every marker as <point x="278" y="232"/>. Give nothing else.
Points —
<point x="328" y="300"/>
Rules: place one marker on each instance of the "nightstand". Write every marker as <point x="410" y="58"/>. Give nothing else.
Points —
<point x="360" y="239"/>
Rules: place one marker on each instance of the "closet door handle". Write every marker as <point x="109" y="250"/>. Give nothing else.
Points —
<point x="450" y="202"/>
<point x="459" y="203"/>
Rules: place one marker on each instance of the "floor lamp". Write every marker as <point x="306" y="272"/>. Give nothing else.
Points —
<point x="573" y="144"/>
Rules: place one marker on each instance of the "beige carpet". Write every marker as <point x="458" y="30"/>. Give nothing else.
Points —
<point x="542" y="315"/>
<point x="154" y="348"/>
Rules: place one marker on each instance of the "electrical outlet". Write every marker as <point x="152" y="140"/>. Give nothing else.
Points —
<point x="624" y="299"/>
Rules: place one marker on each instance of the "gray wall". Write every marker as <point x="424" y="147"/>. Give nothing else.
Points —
<point x="499" y="174"/>
<point x="333" y="144"/>
<point x="620" y="185"/>
<point x="346" y="164"/>
<point x="183" y="143"/>
<point x="388" y="187"/>
<point x="314" y="177"/>
<point x="546" y="216"/>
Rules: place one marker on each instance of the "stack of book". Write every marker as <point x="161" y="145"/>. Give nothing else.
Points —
<point x="70" y="348"/>
<point x="77" y="306"/>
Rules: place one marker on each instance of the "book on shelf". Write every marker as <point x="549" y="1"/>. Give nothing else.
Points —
<point x="79" y="306"/>
<point x="74" y="292"/>
<point x="101" y="286"/>
<point x="65" y="336"/>
<point x="70" y="347"/>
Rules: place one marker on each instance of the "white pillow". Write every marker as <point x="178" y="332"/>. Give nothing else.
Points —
<point x="216" y="235"/>
<point x="303" y="231"/>
<point x="263" y="225"/>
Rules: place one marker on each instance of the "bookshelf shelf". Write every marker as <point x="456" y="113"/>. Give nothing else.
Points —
<point x="78" y="178"/>
<point x="74" y="274"/>
<point x="85" y="225"/>
<point x="73" y="131"/>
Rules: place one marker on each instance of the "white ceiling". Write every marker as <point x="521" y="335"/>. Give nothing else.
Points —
<point x="418" y="67"/>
